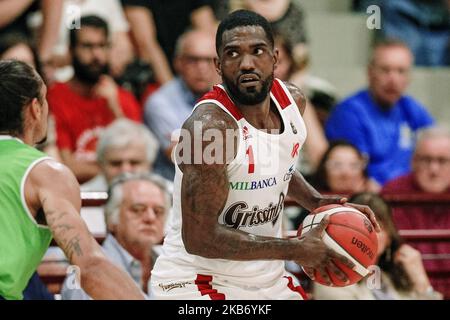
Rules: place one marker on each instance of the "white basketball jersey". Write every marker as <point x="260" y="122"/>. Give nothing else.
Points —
<point x="258" y="182"/>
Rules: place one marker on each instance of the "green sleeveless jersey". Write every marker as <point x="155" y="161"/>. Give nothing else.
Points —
<point x="23" y="242"/>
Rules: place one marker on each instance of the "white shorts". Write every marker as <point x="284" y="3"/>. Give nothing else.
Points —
<point x="207" y="287"/>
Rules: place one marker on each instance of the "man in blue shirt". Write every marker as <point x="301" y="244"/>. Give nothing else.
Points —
<point x="381" y="121"/>
<point x="168" y="108"/>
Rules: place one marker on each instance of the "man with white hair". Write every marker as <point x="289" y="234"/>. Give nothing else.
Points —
<point x="135" y="215"/>
<point x="430" y="174"/>
<point x="124" y="146"/>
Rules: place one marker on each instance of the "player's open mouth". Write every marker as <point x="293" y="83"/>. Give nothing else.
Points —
<point x="249" y="80"/>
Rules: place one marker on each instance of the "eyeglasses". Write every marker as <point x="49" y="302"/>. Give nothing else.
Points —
<point x="353" y="166"/>
<point x="190" y="59"/>
<point x="427" y="160"/>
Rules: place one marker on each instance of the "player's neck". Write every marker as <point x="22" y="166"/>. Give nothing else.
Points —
<point x="26" y="138"/>
<point x="260" y="116"/>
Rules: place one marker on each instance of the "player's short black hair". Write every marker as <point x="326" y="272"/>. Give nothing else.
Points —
<point x="19" y="85"/>
<point x="243" y="18"/>
<point x="92" y="21"/>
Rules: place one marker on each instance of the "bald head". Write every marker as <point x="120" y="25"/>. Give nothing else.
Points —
<point x="195" y="40"/>
<point x="194" y="60"/>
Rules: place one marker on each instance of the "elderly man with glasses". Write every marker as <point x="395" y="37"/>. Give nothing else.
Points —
<point x="430" y="174"/>
<point x="135" y="214"/>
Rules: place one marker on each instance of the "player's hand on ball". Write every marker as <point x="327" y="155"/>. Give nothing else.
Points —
<point x="367" y="212"/>
<point x="342" y="200"/>
<point x="318" y="257"/>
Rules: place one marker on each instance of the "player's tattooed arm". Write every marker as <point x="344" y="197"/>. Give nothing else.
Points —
<point x="204" y="193"/>
<point x="52" y="188"/>
<point x="303" y="193"/>
<point x="307" y="196"/>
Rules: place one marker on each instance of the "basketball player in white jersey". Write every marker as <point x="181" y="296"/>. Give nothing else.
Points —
<point x="225" y="238"/>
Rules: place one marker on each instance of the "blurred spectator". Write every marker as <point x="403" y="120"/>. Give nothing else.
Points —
<point x="381" y="121"/>
<point x="15" y="19"/>
<point x="430" y="174"/>
<point x="321" y="93"/>
<point x="343" y="170"/>
<point x="109" y="10"/>
<point x="286" y="18"/>
<point x="135" y="215"/>
<point x="401" y="275"/>
<point x="16" y="46"/>
<point x="124" y="146"/>
<point x="316" y="143"/>
<point x="157" y="24"/>
<point x="221" y="8"/>
<point x="170" y="106"/>
<point x="423" y="24"/>
<point x="90" y="101"/>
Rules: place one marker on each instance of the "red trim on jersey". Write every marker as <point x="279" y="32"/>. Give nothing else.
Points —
<point x="219" y="94"/>
<point x="203" y="283"/>
<point x="280" y="95"/>
<point x="297" y="289"/>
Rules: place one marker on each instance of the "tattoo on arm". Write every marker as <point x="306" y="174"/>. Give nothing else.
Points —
<point x="63" y="232"/>
<point x="72" y="246"/>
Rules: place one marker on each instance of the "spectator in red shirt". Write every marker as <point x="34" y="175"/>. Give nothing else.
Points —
<point x="86" y="104"/>
<point x="430" y="174"/>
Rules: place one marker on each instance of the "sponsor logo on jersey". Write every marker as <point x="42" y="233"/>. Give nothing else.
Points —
<point x="295" y="149"/>
<point x="294" y="129"/>
<point x="173" y="285"/>
<point x="253" y="185"/>
<point x="289" y="174"/>
<point x="237" y="215"/>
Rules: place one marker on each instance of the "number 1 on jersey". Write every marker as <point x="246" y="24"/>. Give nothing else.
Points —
<point x="251" y="160"/>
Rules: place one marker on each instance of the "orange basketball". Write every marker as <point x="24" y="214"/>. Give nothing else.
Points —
<point x="351" y="234"/>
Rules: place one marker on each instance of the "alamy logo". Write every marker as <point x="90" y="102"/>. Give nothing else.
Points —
<point x="237" y="216"/>
<point x="73" y="277"/>
<point x="73" y="20"/>
<point x="374" y="20"/>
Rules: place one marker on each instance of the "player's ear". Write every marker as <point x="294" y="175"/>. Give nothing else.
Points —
<point x="217" y="65"/>
<point x="276" y="53"/>
<point x="35" y="108"/>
